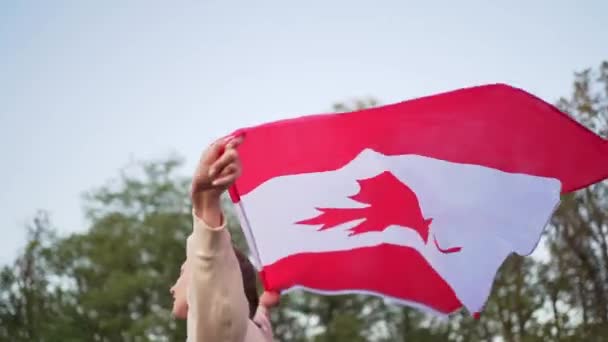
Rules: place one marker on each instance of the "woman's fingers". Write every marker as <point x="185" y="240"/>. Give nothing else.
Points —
<point x="229" y="156"/>
<point x="227" y="167"/>
<point x="234" y="142"/>
<point x="225" y="181"/>
<point x="228" y="175"/>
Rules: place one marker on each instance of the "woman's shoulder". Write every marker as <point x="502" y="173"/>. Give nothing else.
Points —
<point x="261" y="323"/>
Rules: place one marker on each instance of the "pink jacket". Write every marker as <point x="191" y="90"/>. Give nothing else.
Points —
<point x="217" y="307"/>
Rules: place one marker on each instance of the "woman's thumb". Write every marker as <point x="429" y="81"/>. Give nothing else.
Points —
<point x="270" y="299"/>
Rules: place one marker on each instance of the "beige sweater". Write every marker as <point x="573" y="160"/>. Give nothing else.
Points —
<point x="217" y="307"/>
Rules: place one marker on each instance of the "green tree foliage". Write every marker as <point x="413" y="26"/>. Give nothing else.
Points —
<point x="576" y="276"/>
<point x="26" y="304"/>
<point x="111" y="281"/>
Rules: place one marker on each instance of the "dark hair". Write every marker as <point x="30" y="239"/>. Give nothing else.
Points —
<point x="249" y="281"/>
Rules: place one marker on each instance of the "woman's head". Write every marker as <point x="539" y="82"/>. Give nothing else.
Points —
<point x="180" y="289"/>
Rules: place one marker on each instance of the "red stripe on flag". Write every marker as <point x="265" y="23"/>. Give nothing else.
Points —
<point x="495" y="126"/>
<point x="395" y="271"/>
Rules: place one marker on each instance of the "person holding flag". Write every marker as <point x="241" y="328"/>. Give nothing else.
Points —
<point x="216" y="291"/>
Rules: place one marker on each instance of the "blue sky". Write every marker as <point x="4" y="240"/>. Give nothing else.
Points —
<point x="85" y="87"/>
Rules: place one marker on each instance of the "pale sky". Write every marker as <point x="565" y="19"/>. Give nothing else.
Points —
<point x="86" y="86"/>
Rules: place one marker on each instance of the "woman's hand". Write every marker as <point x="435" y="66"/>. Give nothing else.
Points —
<point x="217" y="170"/>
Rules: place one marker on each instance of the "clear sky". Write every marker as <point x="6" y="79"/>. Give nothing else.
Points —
<point x="87" y="86"/>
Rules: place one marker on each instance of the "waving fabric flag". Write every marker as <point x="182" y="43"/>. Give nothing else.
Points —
<point x="419" y="202"/>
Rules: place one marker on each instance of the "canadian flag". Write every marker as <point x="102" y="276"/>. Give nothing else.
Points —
<point x="419" y="202"/>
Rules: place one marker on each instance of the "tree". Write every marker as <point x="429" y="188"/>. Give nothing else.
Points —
<point x="111" y="281"/>
<point x="578" y="239"/>
<point x="30" y="298"/>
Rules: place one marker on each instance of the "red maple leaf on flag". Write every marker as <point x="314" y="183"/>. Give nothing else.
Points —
<point x="389" y="203"/>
